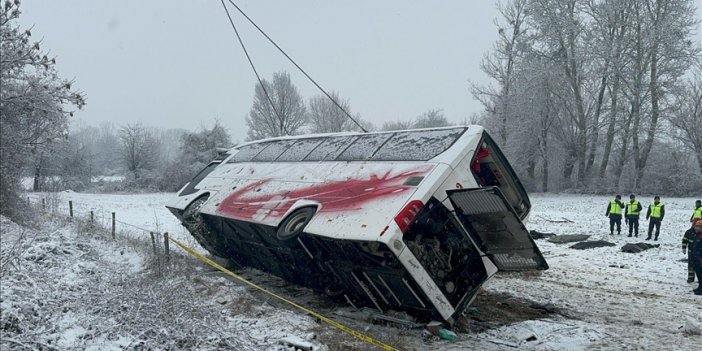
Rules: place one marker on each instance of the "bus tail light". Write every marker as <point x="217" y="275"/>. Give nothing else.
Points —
<point x="408" y="214"/>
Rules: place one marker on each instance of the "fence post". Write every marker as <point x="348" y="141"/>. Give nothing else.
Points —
<point x="70" y="208"/>
<point x="92" y="217"/>
<point x="166" y="245"/>
<point x="113" y="225"/>
<point x="43" y="203"/>
<point x="153" y="243"/>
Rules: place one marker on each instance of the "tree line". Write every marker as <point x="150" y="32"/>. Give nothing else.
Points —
<point x="279" y="109"/>
<point x="143" y="158"/>
<point x="585" y="95"/>
<point x="598" y="95"/>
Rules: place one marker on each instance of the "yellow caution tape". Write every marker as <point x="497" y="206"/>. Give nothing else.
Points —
<point x="333" y="323"/>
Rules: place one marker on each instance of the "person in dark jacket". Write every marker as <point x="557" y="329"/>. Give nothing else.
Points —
<point x="697" y="255"/>
<point x="633" y="209"/>
<point x="614" y="212"/>
<point x="688" y="239"/>
<point x="655" y="214"/>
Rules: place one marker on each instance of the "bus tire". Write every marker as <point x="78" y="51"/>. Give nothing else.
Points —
<point x="196" y="226"/>
<point x="293" y="225"/>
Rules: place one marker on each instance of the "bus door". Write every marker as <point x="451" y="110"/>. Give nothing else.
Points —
<point x="495" y="227"/>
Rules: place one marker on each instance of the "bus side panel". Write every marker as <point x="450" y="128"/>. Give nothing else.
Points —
<point x="360" y="197"/>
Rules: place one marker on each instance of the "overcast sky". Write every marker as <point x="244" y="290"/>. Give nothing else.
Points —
<point x="177" y="64"/>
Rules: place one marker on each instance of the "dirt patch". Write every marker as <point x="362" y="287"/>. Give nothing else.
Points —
<point x="492" y="310"/>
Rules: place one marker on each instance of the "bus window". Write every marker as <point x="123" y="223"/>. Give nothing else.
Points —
<point x="299" y="150"/>
<point x="246" y="153"/>
<point x="274" y="149"/>
<point x="330" y="148"/>
<point x="417" y="145"/>
<point x="364" y="147"/>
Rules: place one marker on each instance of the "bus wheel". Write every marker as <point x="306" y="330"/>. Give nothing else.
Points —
<point x="192" y="220"/>
<point x="295" y="223"/>
<point x="192" y="212"/>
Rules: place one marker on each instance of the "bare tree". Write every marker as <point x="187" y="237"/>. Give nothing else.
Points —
<point x="612" y="24"/>
<point x="326" y="117"/>
<point x="396" y="125"/>
<point x="431" y="118"/>
<point x="138" y="149"/>
<point x="686" y="117"/>
<point x="278" y="109"/>
<point x="499" y="64"/>
<point x="201" y="146"/>
<point x="33" y="103"/>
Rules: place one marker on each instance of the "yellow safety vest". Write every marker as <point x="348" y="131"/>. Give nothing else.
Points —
<point x="656" y="210"/>
<point x="614" y="207"/>
<point x="697" y="213"/>
<point x="632" y="208"/>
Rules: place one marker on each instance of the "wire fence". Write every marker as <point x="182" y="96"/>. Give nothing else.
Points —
<point x="107" y="222"/>
<point x="52" y="204"/>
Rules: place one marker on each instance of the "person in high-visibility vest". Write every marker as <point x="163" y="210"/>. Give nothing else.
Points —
<point x="655" y="214"/>
<point x="614" y="212"/>
<point x="697" y="212"/>
<point x="633" y="209"/>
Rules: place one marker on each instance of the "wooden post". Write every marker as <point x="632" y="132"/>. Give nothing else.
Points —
<point x="70" y="208"/>
<point x="166" y="246"/>
<point x="113" y="225"/>
<point x="43" y="204"/>
<point x="153" y="242"/>
<point x="92" y="217"/>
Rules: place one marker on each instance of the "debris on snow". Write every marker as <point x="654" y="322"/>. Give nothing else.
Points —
<point x="691" y="327"/>
<point x="591" y="244"/>
<point x="638" y="247"/>
<point x="539" y="235"/>
<point x="568" y="238"/>
<point x="298" y="343"/>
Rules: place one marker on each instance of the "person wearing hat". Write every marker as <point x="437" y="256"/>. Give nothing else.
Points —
<point x="697" y="255"/>
<point x="697" y="212"/>
<point x="655" y="214"/>
<point x="614" y="212"/>
<point x="633" y="209"/>
<point x="688" y="240"/>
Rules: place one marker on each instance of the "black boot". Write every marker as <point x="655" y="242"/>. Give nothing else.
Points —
<point x="648" y="238"/>
<point x="629" y="235"/>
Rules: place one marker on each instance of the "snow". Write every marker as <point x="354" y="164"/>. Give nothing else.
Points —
<point x="70" y="286"/>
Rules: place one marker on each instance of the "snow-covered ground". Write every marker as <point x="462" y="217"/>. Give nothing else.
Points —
<point x="82" y="291"/>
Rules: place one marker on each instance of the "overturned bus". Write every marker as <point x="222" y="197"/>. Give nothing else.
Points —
<point x="413" y="220"/>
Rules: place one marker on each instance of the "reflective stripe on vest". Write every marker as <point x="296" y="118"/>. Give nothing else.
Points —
<point x="656" y="210"/>
<point x="614" y="208"/>
<point x="632" y="208"/>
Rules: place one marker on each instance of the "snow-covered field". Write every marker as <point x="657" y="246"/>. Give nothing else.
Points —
<point x="605" y="299"/>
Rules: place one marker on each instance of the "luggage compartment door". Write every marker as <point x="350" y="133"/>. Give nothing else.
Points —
<point x="496" y="229"/>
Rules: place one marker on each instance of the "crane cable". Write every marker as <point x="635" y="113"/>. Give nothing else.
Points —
<point x="265" y="91"/>
<point x="287" y="56"/>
